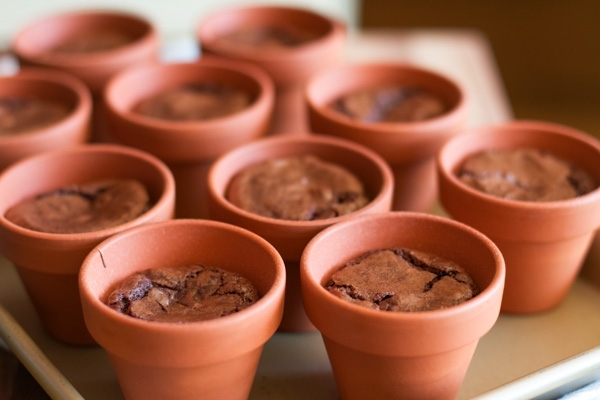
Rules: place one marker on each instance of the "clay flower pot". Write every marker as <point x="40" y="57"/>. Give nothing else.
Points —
<point x="289" y="67"/>
<point x="55" y="86"/>
<point x="213" y="359"/>
<point x="48" y="263"/>
<point x="401" y="355"/>
<point x="543" y="243"/>
<point x="188" y="147"/>
<point x="35" y="45"/>
<point x="289" y="237"/>
<point x="409" y="147"/>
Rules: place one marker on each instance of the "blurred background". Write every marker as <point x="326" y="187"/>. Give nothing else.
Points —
<point x="548" y="51"/>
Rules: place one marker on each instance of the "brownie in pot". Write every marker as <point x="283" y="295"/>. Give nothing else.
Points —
<point x="301" y="188"/>
<point x="397" y="279"/>
<point x="19" y="115"/>
<point x="82" y="208"/>
<point x="525" y="174"/>
<point x="194" y="103"/>
<point x="94" y="41"/>
<point x="182" y="294"/>
<point x="268" y="38"/>
<point x="390" y="104"/>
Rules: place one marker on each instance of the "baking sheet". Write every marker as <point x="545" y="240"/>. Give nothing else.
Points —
<point x="509" y="359"/>
<point x="295" y="366"/>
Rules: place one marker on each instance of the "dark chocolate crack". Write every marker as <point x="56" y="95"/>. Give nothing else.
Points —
<point x="397" y="279"/>
<point x="82" y="208"/>
<point x="182" y="294"/>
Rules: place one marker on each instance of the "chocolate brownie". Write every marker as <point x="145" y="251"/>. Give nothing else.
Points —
<point x="269" y="38"/>
<point x="194" y="102"/>
<point x="525" y="174"/>
<point x="18" y="115"/>
<point x="391" y="104"/>
<point x="94" y="41"/>
<point x="301" y="188"/>
<point x="397" y="279"/>
<point x="182" y="294"/>
<point x="82" y="208"/>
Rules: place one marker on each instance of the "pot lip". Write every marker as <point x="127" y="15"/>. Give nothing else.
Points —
<point x="264" y="99"/>
<point x="457" y="112"/>
<point x="484" y="297"/>
<point x="83" y="106"/>
<point x="568" y="133"/>
<point x="387" y="178"/>
<point x="335" y="29"/>
<point x="148" y="39"/>
<point x="265" y="302"/>
<point x="87" y="148"/>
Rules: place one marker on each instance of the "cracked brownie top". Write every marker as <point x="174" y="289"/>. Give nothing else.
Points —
<point x="525" y="174"/>
<point x="182" y="294"/>
<point x="397" y="279"/>
<point x="82" y="208"/>
<point x="302" y="188"/>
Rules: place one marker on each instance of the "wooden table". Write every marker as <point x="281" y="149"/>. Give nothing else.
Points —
<point x="295" y="366"/>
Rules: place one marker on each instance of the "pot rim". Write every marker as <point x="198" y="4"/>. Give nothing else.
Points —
<point x="268" y="309"/>
<point x="520" y="127"/>
<point x="204" y="35"/>
<point x="87" y="60"/>
<point x="265" y="97"/>
<point x="82" y="108"/>
<point x="89" y="148"/>
<point x="454" y="115"/>
<point x="254" y="147"/>
<point x="481" y="310"/>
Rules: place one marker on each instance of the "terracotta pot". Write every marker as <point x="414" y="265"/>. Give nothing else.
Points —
<point x="188" y="147"/>
<point x="33" y="46"/>
<point x="35" y="83"/>
<point x="48" y="263"/>
<point x="543" y="243"/>
<point x="401" y="355"/>
<point x="290" y="68"/>
<point x="290" y="237"/>
<point x="214" y="359"/>
<point x="408" y="147"/>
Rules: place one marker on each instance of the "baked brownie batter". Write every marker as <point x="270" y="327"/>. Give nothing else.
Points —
<point x="94" y="41"/>
<point x="23" y="115"/>
<point x="398" y="279"/>
<point x="525" y="174"/>
<point x="392" y="104"/>
<point x="269" y="38"/>
<point x="199" y="102"/>
<point x="302" y="188"/>
<point x="82" y="208"/>
<point x="185" y="294"/>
